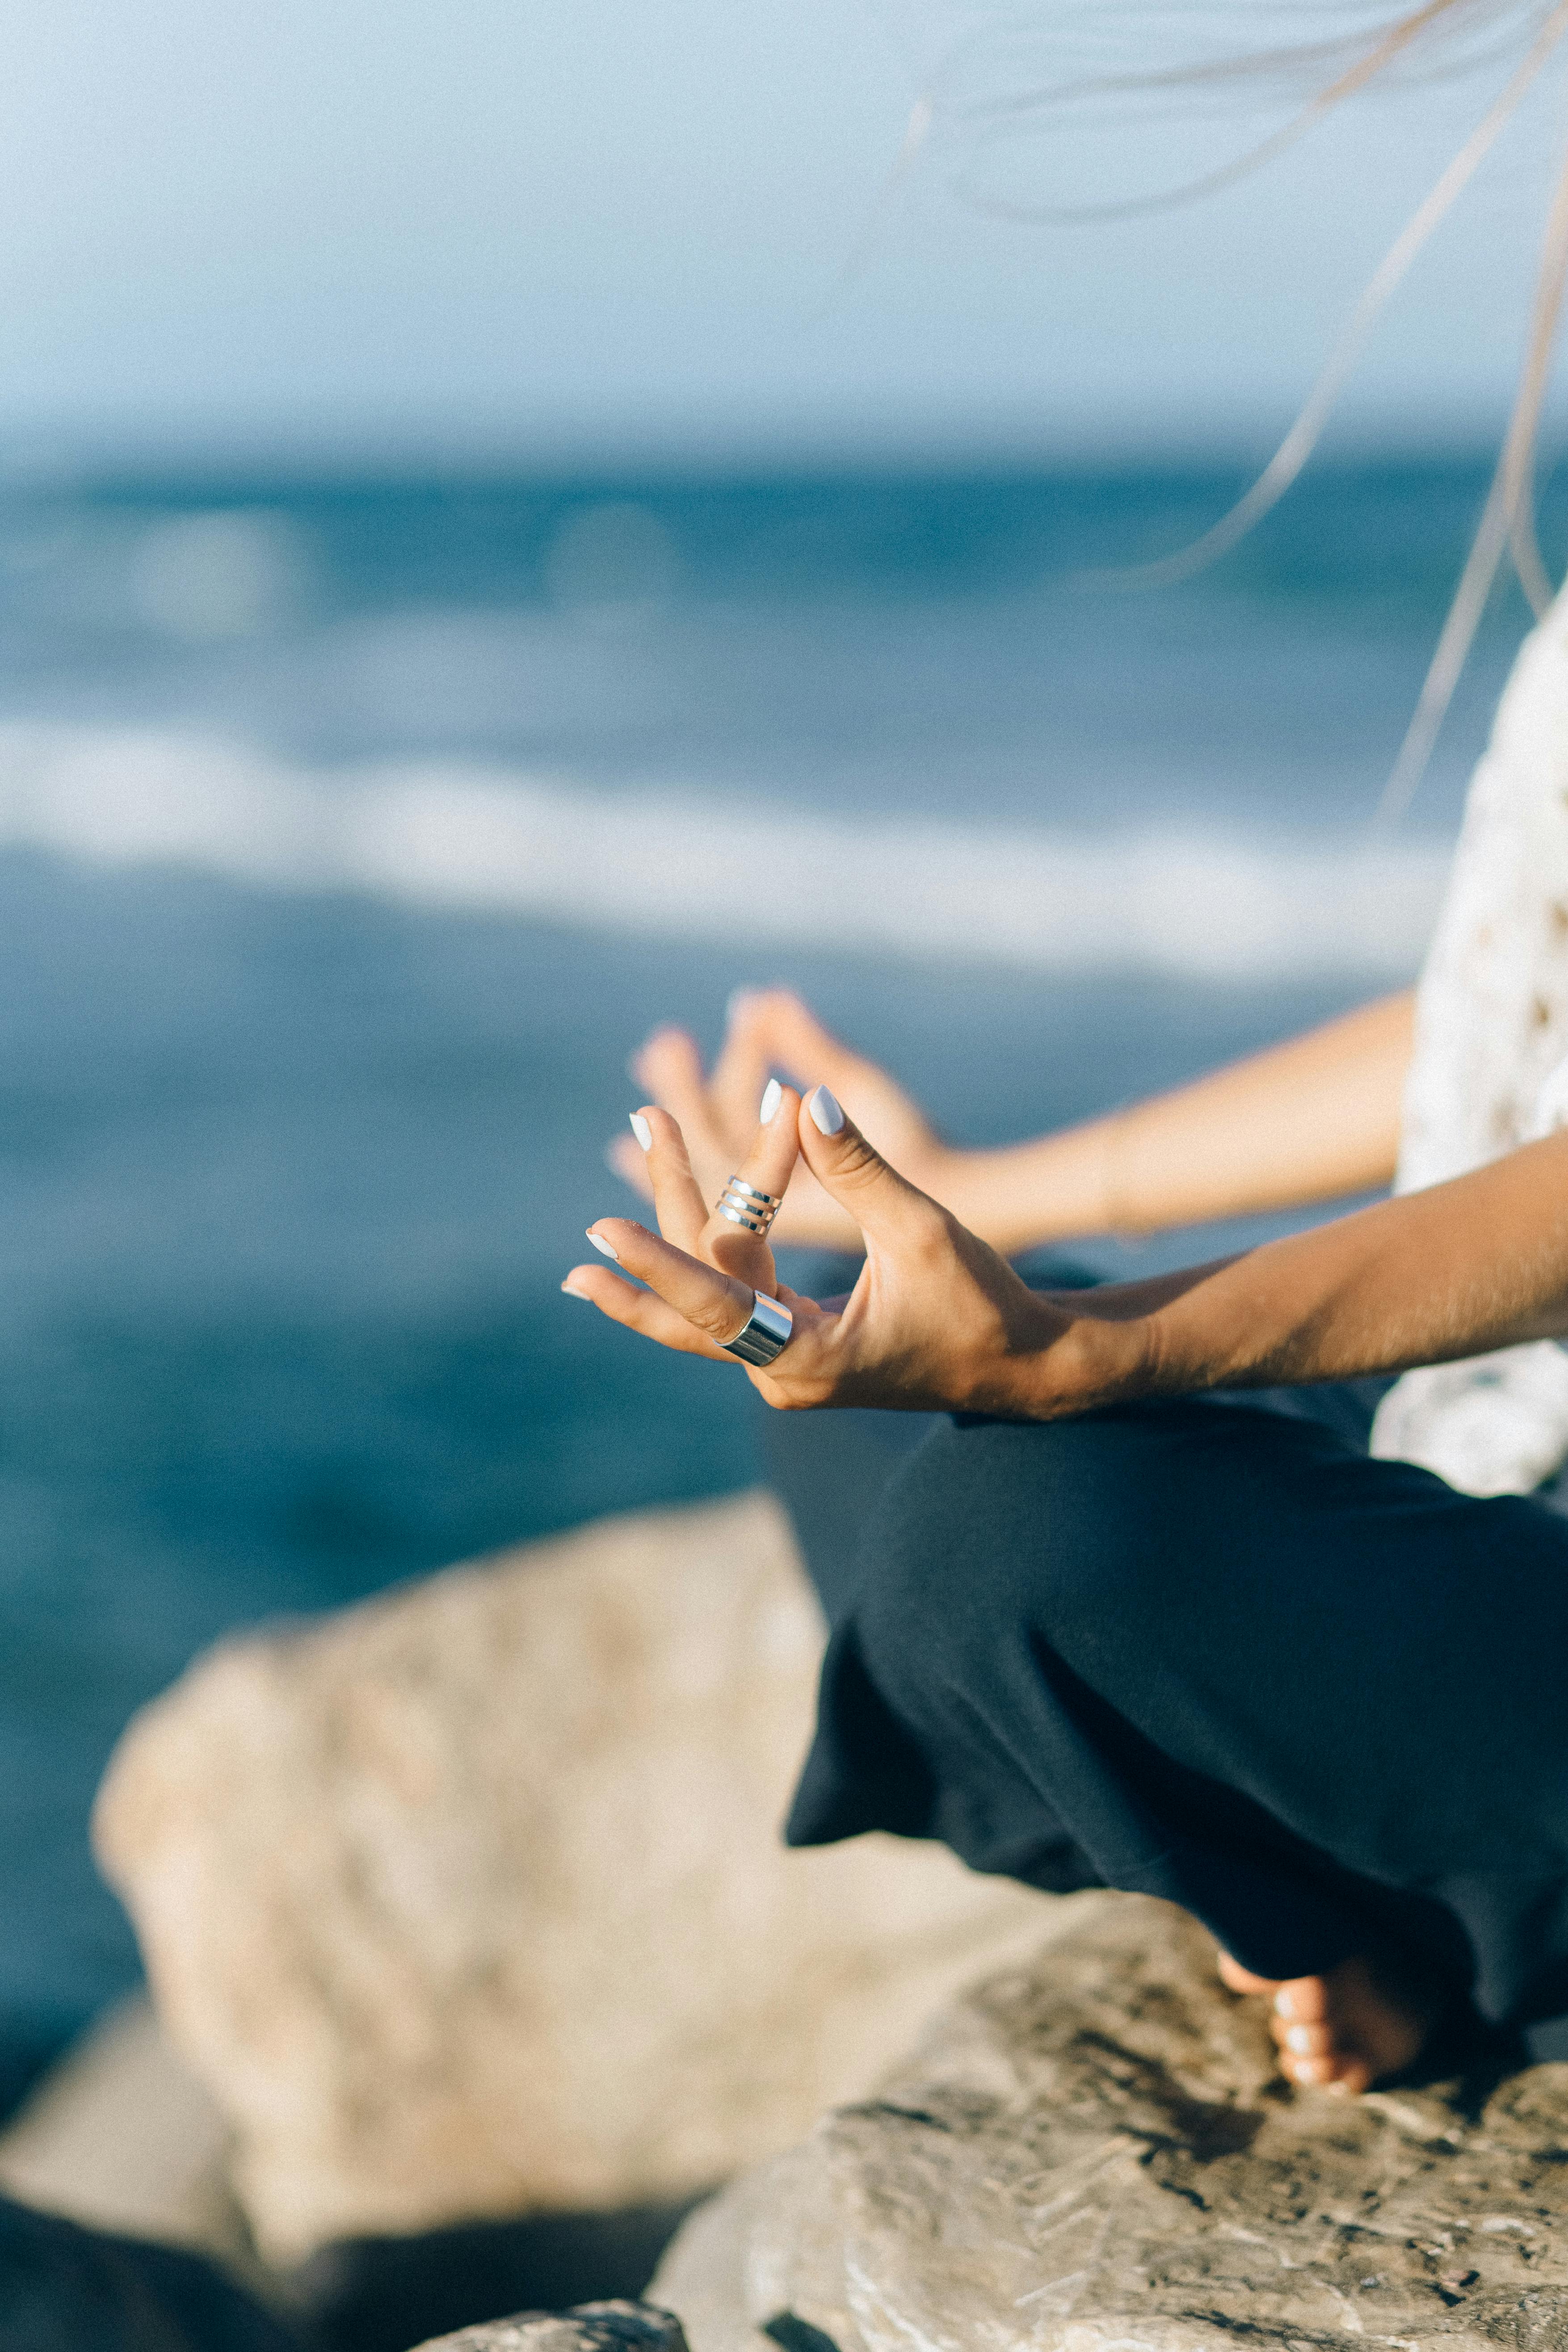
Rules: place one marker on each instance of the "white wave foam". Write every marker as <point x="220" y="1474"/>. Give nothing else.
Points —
<point x="1207" y="904"/>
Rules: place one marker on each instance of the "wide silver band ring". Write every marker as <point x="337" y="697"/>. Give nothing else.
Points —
<point x="743" y="1205"/>
<point x="765" y="1333"/>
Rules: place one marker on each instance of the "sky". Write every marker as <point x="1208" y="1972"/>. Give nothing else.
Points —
<point x="601" y="227"/>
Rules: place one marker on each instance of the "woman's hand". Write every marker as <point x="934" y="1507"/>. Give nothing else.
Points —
<point x="936" y="1321"/>
<point x="770" y="1029"/>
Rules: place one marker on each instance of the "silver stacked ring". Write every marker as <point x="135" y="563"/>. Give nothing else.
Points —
<point x="764" y="1334"/>
<point x="745" y="1205"/>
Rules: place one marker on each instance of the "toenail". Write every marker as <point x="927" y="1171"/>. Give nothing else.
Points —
<point x="1299" y="2038"/>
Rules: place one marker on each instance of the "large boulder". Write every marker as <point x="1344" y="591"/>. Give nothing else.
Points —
<point x="470" y="1901"/>
<point x="1094" y="2153"/>
<point x="586" y="2327"/>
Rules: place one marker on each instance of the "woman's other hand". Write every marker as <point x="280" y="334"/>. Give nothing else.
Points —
<point x="1305" y="1122"/>
<point x="937" y="1320"/>
<point x="769" y="1030"/>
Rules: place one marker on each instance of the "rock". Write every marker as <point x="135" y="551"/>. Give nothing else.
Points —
<point x="121" y="2136"/>
<point x="1094" y="2154"/>
<point x="120" y="2139"/>
<point x="589" y="2327"/>
<point x="470" y="1901"/>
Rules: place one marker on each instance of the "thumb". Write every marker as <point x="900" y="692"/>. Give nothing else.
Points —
<point x="884" y="1206"/>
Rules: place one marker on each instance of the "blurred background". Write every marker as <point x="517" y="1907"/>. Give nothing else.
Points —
<point x="482" y="493"/>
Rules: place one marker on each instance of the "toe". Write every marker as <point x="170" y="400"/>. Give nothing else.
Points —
<point x="1302" y="2000"/>
<point x="1304" y="2041"/>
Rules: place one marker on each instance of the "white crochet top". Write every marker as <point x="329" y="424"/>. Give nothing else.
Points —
<point x="1491" y="1067"/>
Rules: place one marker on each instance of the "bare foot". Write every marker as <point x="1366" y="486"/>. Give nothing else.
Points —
<point x="1342" y="2031"/>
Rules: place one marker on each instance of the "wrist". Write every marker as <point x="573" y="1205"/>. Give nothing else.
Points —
<point x="1079" y="1361"/>
<point x="1113" y="1362"/>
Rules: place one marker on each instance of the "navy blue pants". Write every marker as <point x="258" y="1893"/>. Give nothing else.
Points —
<point x="1211" y="1650"/>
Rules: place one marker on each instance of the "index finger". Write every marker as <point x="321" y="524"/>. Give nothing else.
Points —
<point x="678" y="1204"/>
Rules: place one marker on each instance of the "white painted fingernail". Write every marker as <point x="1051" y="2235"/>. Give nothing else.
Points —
<point x="826" y="1113"/>
<point x="569" y="1290"/>
<point x="1283" y="2005"/>
<point x="606" y="1248"/>
<point x="642" y="1130"/>
<point x="773" y="1095"/>
<point x="1299" y="2038"/>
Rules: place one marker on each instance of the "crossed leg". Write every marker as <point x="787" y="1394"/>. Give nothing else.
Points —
<point x="1219" y="1656"/>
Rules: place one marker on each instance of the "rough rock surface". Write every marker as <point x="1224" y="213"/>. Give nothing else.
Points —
<point x="1093" y="2154"/>
<point x="470" y="1900"/>
<point x="587" y="2327"/>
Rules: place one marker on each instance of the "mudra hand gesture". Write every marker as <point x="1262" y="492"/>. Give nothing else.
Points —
<point x="936" y="1320"/>
<point x="771" y="1029"/>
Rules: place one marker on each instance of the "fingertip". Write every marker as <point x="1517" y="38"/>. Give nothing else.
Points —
<point x="809" y="1031"/>
<point x="637" y="1060"/>
<point x="827" y="1112"/>
<point x="626" y="1245"/>
<point x="571" y="1288"/>
<point x="657" y="1125"/>
<point x="667" y="1034"/>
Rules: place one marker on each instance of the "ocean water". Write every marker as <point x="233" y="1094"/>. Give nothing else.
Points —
<point x="353" y="831"/>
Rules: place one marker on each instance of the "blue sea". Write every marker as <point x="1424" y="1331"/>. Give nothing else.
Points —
<point x="354" y="828"/>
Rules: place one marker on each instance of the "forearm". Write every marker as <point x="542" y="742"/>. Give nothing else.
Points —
<point x="1313" y="1120"/>
<point x="1454" y="1271"/>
